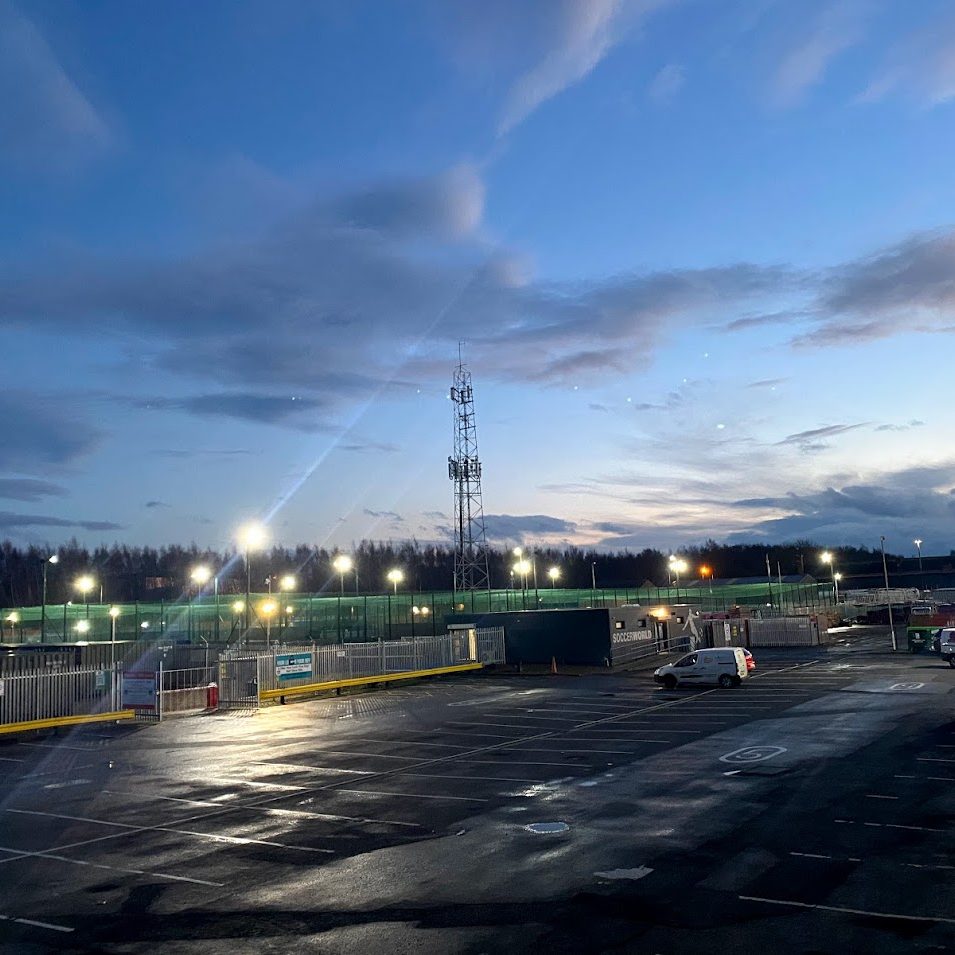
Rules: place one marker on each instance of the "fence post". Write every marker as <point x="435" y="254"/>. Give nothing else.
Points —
<point x="159" y="693"/>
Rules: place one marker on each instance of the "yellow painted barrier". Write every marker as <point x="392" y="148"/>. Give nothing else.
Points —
<point x="365" y="680"/>
<point x="55" y="721"/>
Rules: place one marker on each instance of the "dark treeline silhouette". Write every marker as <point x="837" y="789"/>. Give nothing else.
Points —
<point x="148" y="573"/>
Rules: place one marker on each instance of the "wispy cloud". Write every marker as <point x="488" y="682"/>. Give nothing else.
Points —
<point x="586" y="31"/>
<point x="921" y="66"/>
<point x="813" y="439"/>
<point x="514" y="528"/>
<point x="805" y="63"/>
<point x="29" y="489"/>
<point x="10" y="521"/>
<point x="46" y="121"/>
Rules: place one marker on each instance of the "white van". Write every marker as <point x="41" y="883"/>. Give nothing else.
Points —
<point x="723" y="666"/>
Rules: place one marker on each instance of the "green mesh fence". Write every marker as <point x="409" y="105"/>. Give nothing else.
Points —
<point x="291" y="618"/>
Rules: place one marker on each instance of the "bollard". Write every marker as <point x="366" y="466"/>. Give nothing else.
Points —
<point x="212" y="697"/>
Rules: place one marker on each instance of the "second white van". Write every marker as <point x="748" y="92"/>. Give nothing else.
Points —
<point x="721" y="666"/>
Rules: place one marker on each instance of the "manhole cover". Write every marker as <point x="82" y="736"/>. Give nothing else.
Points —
<point x="547" y="827"/>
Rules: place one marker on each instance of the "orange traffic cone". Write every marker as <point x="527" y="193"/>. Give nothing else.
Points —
<point x="553" y="664"/>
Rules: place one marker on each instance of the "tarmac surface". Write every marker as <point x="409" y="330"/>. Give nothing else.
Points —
<point x="810" y="810"/>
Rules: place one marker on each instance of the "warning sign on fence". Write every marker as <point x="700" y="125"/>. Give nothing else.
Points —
<point x="293" y="666"/>
<point x="139" y="691"/>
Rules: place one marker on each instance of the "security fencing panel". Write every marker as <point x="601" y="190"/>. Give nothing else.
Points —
<point x="239" y="681"/>
<point x="490" y="645"/>
<point x="783" y="632"/>
<point x="68" y="692"/>
<point x="188" y="691"/>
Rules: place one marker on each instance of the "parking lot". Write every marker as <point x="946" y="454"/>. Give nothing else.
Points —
<point x="812" y="809"/>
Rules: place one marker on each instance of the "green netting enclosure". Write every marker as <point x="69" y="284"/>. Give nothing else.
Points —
<point x="297" y="618"/>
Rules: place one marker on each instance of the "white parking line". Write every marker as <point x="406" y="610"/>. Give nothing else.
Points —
<point x="932" y="759"/>
<point x="487" y="779"/>
<point x="211" y="836"/>
<point x="540" y="749"/>
<point x="877" y="796"/>
<point x="848" y="911"/>
<point x="377" y="792"/>
<point x="36" y="924"/>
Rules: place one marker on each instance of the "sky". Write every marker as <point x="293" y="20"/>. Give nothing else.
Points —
<point x="701" y="257"/>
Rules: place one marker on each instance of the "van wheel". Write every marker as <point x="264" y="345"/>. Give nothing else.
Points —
<point x="725" y="680"/>
<point x="669" y="682"/>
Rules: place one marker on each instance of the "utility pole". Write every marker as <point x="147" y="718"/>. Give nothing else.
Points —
<point x="888" y="599"/>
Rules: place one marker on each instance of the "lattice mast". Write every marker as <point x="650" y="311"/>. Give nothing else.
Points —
<point x="464" y="468"/>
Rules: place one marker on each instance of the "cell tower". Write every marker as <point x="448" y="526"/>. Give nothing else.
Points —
<point x="464" y="468"/>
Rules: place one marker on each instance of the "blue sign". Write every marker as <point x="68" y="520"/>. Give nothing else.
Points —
<point x="293" y="666"/>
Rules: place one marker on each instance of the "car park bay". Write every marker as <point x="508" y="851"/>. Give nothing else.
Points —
<point x="575" y="813"/>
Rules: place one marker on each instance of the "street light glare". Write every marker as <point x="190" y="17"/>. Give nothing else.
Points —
<point x="287" y="582"/>
<point x="396" y="575"/>
<point x="114" y="612"/>
<point x="200" y="575"/>
<point x="82" y="626"/>
<point x="252" y="536"/>
<point x="522" y="567"/>
<point x="238" y="606"/>
<point x="85" y="583"/>
<point x="342" y="564"/>
<point x="837" y="575"/>
<point x="518" y="552"/>
<point x="917" y="542"/>
<point x="826" y="557"/>
<point x="553" y="573"/>
<point x="268" y="608"/>
<point x="54" y="558"/>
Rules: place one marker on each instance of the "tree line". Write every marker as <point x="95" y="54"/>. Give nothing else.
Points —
<point x="128" y="573"/>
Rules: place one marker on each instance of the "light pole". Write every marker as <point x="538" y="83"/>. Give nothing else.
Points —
<point x="287" y="584"/>
<point x="396" y="575"/>
<point x="13" y="618"/>
<point x="113" y="614"/>
<point x="85" y="585"/>
<point x="342" y="564"/>
<point x="828" y="558"/>
<point x="678" y="565"/>
<point x="52" y="559"/>
<point x="523" y="568"/>
<point x="268" y="608"/>
<point x="888" y="599"/>
<point x="918" y="547"/>
<point x="707" y="574"/>
<point x="554" y="574"/>
<point x="251" y="537"/>
<point x="835" y="580"/>
<point x="200" y="577"/>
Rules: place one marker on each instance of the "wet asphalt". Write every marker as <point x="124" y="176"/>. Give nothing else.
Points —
<point x="810" y="810"/>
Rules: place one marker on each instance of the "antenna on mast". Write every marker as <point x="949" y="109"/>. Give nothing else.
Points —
<point x="464" y="468"/>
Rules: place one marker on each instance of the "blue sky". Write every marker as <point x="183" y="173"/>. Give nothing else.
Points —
<point x="702" y="255"/>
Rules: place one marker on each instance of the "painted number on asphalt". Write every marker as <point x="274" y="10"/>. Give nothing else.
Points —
<point x="752" y="754"/>
<point x="906" y="686"/>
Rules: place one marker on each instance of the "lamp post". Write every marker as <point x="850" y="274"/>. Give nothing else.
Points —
<point x="835" y="580"/>
<point x="888" y="599"/>
<point x="829" y="558"/>
<point x="200" y="577"/>
<point x="13" y="618"/>
<point x="918" y="547"/>
<point x="85" y="584"/>
<point x="287" y="584"/>
<point x="707" y="574"/>
<point x="395" y="575"/>
<point x="52" y="559"/>
<point x="523" y="568"/>
<point x="678" y="565"/>
<point x="268" y="608"/>
<point x="251" y="537"/>
<point x="554" y="574"/>
<point x="113" y="614"/>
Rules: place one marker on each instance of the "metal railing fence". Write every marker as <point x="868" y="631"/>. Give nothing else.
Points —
<point x="243" y="675"/>
<point x="186" y="691"/>
<point x="44" y="695"/>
